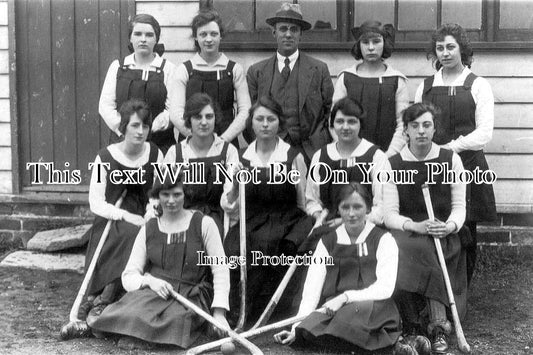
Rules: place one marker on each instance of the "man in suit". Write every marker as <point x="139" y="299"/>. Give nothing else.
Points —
<point x="299" y="83"/>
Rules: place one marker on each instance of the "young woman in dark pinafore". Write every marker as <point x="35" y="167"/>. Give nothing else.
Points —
<point x="466" y="123"/>
<point x="211" y="72"/>
<point x="420" y="278"/>
<point x="142" y="75"/>
<point x="352" y="154"/>
<point x="381" y="90"/>
<point x="204" y="148"/>
<point x="132" y="153"/>
<point x="275" y="219"/>
<point x="356" y="284"/>
<point x="164" y="258"/>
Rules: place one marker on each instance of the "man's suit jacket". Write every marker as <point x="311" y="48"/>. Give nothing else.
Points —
<point x="315" y="90"/>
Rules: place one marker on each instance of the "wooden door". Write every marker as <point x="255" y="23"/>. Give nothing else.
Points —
<point x="63" y="51"/>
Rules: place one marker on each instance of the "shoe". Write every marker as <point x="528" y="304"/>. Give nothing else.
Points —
<point x="402" y="347"/>
<point x="95" y="313"/>
<point x="421" y="344"/>
<point x="84" y="310"/>
<point x="439" y="344"/>
<point x="75" y="330"/>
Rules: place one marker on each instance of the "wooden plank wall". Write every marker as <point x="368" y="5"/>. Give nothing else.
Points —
<point x="5" y="115"/>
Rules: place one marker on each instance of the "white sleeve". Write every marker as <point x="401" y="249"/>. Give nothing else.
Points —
<point x="482" y="134"/>
<point x="340" y="90"/>
<point x="419" y="92"/>
<point x="386" y="273"/>
<point x="133" y="276"/>
<point x="232" y="209"/>
<point x="213" y="247"/>
<point x="458" y="193"/>
<point x="391" y="204"/>
<point x="178" y="101"/>
<point x="97" y="187"/>
<point x="402" y="102"/>
<point x="243" y="104"/>
<point x="107" y="106"/>
<point x="316" y="274"/>
<point x="312" y="192"/>
<point x="299" y="165"/>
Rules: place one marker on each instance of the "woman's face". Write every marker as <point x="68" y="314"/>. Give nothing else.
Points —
<point x="372" y="48"/>
<point x="265" y="123"/>
<point x="421" y="131"/>
<point x="346" y="127"/>
<point x="208" y="38"/>
<point x="448" y="52"/>
<point x="143" y="39"/>
<point x="353" y="211"/>
<point x="136" y="131"/>
<point x="203" y="124"/>
<point x="171" y="200"/>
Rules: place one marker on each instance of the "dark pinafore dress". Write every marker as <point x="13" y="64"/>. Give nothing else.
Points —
<point x="131" y="85"/>
<point x="206" y="197"/>
<point x="145" y="315"/>
<point x="329" y="190"/>
<point x="217" y="84"/>
<point x="117" y="248"/>
<point x="274" y="225"/>
<point x="378" y="98"/>
<point x="418" y="266"/>
<point x="458" y="118"/>
<point x="369" y="325"/>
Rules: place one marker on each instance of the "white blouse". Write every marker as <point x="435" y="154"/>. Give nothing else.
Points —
<point x="97" y="201"/>
<point x="401" y="98"/>
<point x="107" y="106"/>
<point x="134" y="277"/>
<point x="279" y="155"/>
<point x="386" y="271"/>
<point x="312" y="192"/>
<point x="391" y="199"/>
<point x="242" y="97"/>
<point x="484" y="116"/>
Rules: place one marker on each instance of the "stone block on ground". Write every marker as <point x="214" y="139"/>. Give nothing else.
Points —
<point x="59" y="239"/>
<point x="48" y="262"/>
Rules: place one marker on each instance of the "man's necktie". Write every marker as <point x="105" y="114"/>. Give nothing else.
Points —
<point x="286" y="71"/>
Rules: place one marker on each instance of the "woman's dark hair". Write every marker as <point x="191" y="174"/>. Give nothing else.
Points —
<point x="196" y="103"/>
<point x="145" y="18"/>
<point x="416" y="110"/>
<point x="347" y="190"/>
<point x="349" y="107"/>
<point x="457" y="32"/>
<point x="269" y="103"/>
<point x="202" y="19"/>
<point x="159" y="48"/>
<point x="168" y="183"/>
<point x="130" y="107"/>
<point x="370" y="29"/>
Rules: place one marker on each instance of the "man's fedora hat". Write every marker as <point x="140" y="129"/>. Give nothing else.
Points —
<point x="289" y="13"/>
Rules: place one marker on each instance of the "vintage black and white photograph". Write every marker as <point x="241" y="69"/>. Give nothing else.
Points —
<point x="266" y="177"/>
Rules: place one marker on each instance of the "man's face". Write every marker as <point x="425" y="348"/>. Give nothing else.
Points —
<point x="288" y="37"/>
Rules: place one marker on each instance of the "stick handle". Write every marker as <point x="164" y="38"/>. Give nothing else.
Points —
<point x="250" y="333"/>
<point x="461" y="340"/>
<point x="73" y="317"/>
<point x="232" y="335"/>
<point x="242" y="247"/>
<point x="271" y="306"/>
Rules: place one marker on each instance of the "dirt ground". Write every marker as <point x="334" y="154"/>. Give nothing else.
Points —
<point x="35" y="304"/>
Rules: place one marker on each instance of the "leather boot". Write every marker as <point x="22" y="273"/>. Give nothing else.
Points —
<point x="402" y="347"/>
<point x="439" y="332"/>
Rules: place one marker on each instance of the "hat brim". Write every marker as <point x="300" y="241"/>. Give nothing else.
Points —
<point x="303" y="24"/>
